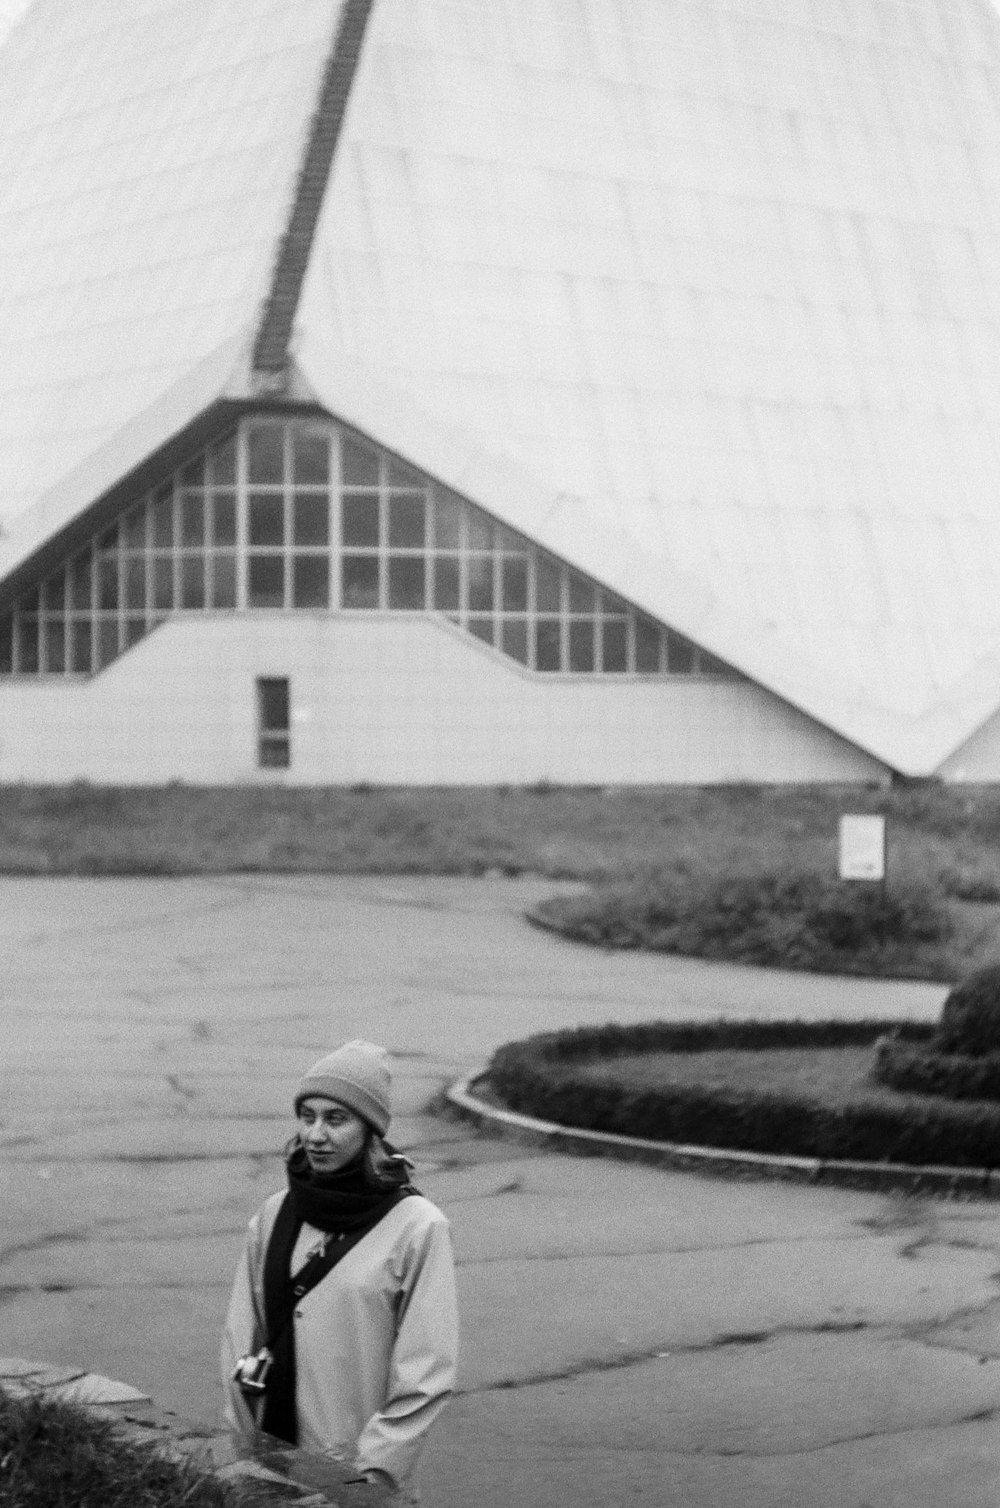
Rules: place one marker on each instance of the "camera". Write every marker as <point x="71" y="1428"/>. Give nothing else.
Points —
<point x="251" y="1372"/>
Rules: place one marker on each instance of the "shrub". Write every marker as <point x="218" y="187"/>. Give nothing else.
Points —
<point x="917" y="1070"/>
<point x="537" y="1077"/>
<point x="970" y="1016"/>
<point x="798" y="921"/>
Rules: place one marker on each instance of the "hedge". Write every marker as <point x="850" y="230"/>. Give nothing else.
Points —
<point x="536" y="1076"/>
<point x="923" y="1070"/>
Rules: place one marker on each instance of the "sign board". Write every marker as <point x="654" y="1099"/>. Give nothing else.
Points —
<point x="862" y="848"/>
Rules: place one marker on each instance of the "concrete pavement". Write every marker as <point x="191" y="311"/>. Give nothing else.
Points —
<point x="631" y="1336"/>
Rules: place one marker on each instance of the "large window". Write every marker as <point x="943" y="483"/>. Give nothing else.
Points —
<point x="294" y="515"/>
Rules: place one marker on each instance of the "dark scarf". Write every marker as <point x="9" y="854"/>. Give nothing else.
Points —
<point x="346" y="1208"/>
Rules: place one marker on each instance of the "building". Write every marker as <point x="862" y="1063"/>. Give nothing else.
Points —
<point x="446" y="391"/>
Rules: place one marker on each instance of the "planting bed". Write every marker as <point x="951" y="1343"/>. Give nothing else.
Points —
<point x="787" y="1088"/>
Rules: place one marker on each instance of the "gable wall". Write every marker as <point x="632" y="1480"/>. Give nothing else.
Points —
<point x="391" y="701"/>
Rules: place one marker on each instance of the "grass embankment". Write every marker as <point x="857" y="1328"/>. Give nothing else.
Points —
<point x="665" y="865"/>
<point x="54" y="1455"/>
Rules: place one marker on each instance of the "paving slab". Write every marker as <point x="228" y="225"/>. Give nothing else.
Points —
<point x="631" y="1335"/>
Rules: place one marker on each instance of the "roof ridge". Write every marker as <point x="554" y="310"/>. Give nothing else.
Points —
<point x="270" y="351"/>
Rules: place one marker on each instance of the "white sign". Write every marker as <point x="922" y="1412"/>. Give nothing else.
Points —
<point x="862" y="848"/>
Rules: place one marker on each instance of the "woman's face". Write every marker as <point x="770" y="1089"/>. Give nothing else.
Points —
<point x="330" y="1133"/>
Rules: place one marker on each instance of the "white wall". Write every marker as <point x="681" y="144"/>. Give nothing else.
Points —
<point x="393" y="700"/>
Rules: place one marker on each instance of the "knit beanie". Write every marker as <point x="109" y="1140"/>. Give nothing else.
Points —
<point x="356" y="1075"/>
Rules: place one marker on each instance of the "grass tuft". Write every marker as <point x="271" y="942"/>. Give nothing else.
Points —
<point x="54" y="1454"/>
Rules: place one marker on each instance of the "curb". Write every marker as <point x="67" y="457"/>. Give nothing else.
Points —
<point x="982" y="1183"/>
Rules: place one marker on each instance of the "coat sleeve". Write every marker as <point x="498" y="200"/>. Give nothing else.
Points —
<point x="423" y="1362"/>
<point x="243" y="1332"/>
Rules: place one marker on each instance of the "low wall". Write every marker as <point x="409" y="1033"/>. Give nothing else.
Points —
<point x="294" y="1478"/>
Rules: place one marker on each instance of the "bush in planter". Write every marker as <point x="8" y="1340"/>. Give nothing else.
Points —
<point x="962" y="1061"/>
<point x="970" y="1016"/>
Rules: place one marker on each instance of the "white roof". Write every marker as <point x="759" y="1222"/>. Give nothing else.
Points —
<point x="703" y="294"/>
<point x="723" y="274"/>
<point x="148" y="155"/>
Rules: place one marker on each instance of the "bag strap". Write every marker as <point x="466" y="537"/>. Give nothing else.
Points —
<point x="284" y="1234"/>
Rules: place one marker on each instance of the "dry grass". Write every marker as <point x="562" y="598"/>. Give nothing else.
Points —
<point x="830" y="1075"/>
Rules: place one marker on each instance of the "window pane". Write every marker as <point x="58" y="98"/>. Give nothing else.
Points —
<point x="407" y="587"/>
<point x="514" y="583"/>
<point x="266" y="453"/>
<point x="358" y="464"/>
<point x="480" y="583"/>
<point x="30" y="601"/>
<point x="548" y="578"/>
<point x="548" y="644"/>
<point x="310" y="519"/>
<point x="135" y="582"/>
<point x="6" y="645"/>
<point x="480" y="531"/>
<point x="360" y="581"/>
<point x="163" y="518"/>
<point x="107" y="641"/>
<point x="193" y="581"/>
<point x="266" y="587"/>
<point x="310" y="458"/>
<point x="224" y="464"/>
<point x="27" y="660"/>
<point x="224" y="518"/>
<point x="407" y="521"/>
<point x="515" y="639"/>
<point x="709" y="665"/>
<point x="134" y="530"/>
<point x="267" y="518"/>
<point x="448" y="511"/>
<point x="360" y="519"/>
<point x="401" y="475"/>
<point x="192" y="519"/>
<point x="614" y="645"/>
<point x="647" y="646"/>
<point x="223" y="580"/>
<point x="482" y="628"/>
<point x="581" y="645"/>
<point x="581" y="595"/>
<point x="310" y="581"/>
<point x="445" y="583"/>
<point x="274" y="752"/>
<point x="135" y="629"/>
<point x="80" y="583"/>
<point x="80" y="644"/>
<point x="273" y="704"/>
<point x="163" y="582"/>
<point x="54" y="593"/>
<point x="55" y="646"/>
<point x="193" y="474"/>
<point x="680" y="655"/>
<point x="107" y="582"/>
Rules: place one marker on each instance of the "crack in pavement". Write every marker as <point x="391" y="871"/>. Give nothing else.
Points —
<point x="727" y="1341"/>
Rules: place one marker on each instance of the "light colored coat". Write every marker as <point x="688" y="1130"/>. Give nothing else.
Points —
<point x="376" y="1341"/>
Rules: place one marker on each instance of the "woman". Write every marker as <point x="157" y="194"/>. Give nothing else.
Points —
<point x="341" y="1334"/>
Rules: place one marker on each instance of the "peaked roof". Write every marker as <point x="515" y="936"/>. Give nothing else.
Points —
<point x="148" y="160"/>
<point x="702" y="294"/>
<point x="720" y="281"/>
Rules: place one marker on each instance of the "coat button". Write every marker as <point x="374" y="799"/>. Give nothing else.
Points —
<point x="298" y="1314"/>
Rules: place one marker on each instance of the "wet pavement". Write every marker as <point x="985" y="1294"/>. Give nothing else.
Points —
<point x="630" y="1335"/>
